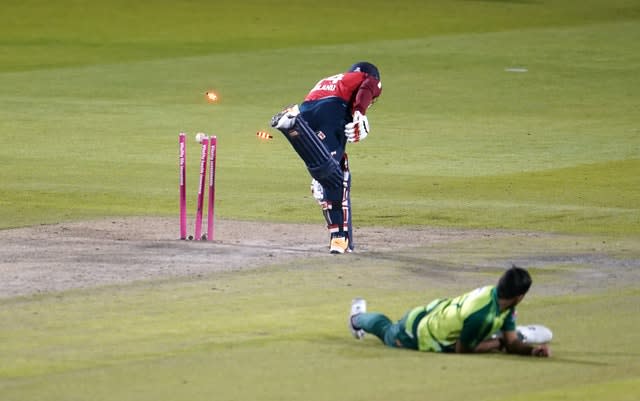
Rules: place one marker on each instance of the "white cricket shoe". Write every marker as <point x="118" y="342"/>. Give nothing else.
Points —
<point x="285" y="119"/>
<point x="358" y="306"/>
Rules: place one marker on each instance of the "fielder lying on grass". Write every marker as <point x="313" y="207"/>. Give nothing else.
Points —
<point x="464" y="324"/>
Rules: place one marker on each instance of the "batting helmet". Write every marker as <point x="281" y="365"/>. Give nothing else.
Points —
<point x="367" y="68"/>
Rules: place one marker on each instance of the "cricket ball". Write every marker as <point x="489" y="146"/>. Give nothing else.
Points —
<point x="200" y="136"/>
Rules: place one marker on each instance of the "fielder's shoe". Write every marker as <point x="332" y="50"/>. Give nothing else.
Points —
<point x="358" y="306"/>
<point x="339" y="244"/>
<point x="285" y="119"/>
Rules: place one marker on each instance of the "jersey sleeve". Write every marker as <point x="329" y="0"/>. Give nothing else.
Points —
<point x="472" y="326"/>
<point x="369" y="90"/>
<point x="510" y="321"/>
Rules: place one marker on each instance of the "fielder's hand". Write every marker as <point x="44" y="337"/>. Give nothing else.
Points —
<point x="358" y="129"/>
<point x="542" y="350"/>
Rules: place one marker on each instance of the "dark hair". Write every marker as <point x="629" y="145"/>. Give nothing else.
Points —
<point x="514" y="282"/>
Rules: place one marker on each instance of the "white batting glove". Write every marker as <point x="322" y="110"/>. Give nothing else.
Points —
<point x="358" y="129"/>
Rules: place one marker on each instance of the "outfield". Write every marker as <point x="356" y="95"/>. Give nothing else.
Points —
<point x="508" y="131"/>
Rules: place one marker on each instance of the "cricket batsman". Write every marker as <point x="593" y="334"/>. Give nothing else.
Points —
<point x="332" y="114"/>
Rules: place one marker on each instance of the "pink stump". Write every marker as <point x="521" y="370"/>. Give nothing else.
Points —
<point x="183" y="187"/>
<point x="203" y="173"/>
<point x="213" y="141"/>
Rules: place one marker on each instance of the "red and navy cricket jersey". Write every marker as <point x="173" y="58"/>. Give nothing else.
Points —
<point x="356" y="88"/>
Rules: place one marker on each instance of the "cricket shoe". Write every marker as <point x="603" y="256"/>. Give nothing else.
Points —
<point x="285" y="119"/>
<point x="339" y="244"/>
<point x="358" y="306"/>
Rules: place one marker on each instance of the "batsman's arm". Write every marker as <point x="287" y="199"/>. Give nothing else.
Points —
<point x="368" y="91"/>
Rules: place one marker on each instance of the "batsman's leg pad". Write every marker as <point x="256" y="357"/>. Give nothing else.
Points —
<point x="336" y="205"/>
<point x="321" y="165"/>
<point x="329" y="174"/>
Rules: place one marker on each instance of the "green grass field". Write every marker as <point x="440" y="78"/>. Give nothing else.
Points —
<point x="94" y="95"/>
<point x="91" y="110"/>
<point x="246" y="336"/>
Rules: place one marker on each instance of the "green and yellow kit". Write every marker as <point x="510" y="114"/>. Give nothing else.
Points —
<point x="469" y="318"/>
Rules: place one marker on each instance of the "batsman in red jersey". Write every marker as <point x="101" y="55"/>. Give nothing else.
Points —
<point x="332" y="114"/>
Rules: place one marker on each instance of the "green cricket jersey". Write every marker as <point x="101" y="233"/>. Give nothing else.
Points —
<point x="470" y="318"/>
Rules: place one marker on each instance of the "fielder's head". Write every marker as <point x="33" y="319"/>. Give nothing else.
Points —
<point x="367" y="68"/>
<point x="514" y="283"/>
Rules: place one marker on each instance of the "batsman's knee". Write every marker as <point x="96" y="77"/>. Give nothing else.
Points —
<point x="322" y="166"/>
<point x="328" y="174"/>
